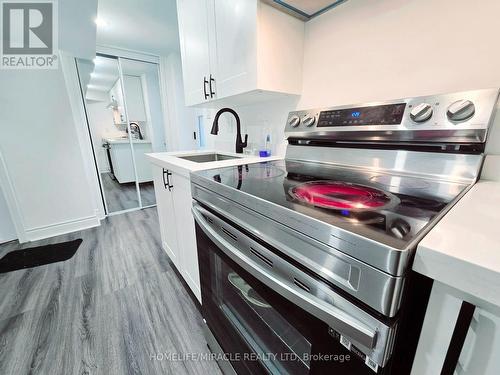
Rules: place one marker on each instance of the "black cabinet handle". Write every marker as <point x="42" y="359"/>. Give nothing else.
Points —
<point x="205" y="82"/>
<point x="212" y="92"/>
<point x="170" y="186"/>
<point x="167" y="183"/>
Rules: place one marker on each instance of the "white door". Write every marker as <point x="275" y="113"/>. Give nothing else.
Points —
<point x="236" y="46"/>
<point x="166" y="216"/>
<point x="186" y="232"/>
<point x="193" y="29"/>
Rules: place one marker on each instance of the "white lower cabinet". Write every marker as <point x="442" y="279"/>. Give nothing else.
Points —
<point x="174" y="202"/>
<point x="186" y="236"/>
<point x="120" y="153"/>
<point x="166" y="215"/>
<point x="479" y="354"/>
<point x="482" y="345"/>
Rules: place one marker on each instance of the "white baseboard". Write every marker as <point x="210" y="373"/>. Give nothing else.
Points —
<point x="194" y="287"/>
<point x="58" y="229"/>
<point x="7" y="239"/>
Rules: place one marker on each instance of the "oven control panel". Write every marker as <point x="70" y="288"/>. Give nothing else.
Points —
<point x="373" y="115"/>
<point x="462" y="117"/>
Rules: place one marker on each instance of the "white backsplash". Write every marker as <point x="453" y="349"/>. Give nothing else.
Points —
<point x="257" y="120"/>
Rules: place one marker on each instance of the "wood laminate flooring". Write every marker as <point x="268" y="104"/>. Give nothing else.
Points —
<point x="116" y="307"/>
<point x="120" y="197"/>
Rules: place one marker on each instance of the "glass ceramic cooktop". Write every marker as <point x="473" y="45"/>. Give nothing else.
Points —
<point x="388" y="208"/>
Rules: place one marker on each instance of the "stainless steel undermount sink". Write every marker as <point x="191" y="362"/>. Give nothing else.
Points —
<point x="205" y="158"/>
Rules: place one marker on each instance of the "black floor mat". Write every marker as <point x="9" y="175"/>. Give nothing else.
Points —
<point x="39" y="256"/>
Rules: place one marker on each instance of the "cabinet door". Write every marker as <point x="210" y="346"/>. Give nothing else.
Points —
<point x="186" y="232"/>
<point x="166" y="216"/>
<point x="193" y="32"/>
<point x="481" y="345"/>
<point x="123" y="165"/>
<point x="236" y="46"/>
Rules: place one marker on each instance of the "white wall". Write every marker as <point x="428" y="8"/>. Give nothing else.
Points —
<point x="180" y="121"/>
<point x="257" y="120"/>
<point x="7" y="230"/>
<point x="43" y="175"/>
<point x="152" y="97"/>
<point x="374" y="50"/>
<point x="41" y="151"/>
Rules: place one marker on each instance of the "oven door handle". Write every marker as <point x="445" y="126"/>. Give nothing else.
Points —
<point x="336" y="318"/>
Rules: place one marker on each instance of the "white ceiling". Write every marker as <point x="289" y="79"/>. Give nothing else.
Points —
<point x="304" y="9"/>
<point x="105" y="74"/>
<point x="77" y="30"/>
<point x="148" y="26"/>
<point x="309" y="6"/>
<point x="140" y="25"/>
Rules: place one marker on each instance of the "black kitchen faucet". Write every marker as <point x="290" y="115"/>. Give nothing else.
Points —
<point x="240" y="145"/>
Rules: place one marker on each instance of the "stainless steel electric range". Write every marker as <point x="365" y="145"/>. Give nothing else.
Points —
<point x="305" y="263"/>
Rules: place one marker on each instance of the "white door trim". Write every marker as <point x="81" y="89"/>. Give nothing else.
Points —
<point x="127" y="53"/>
<point x="70" y="73"/>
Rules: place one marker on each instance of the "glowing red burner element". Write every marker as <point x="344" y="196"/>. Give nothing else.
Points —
<point x="340" y="195"/>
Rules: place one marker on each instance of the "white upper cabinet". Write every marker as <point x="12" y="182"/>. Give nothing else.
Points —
<point x="240" y="49"/>
<point x="193" y="32"/>
<point x="236" y="41"/>
<point x="134" y="97"/>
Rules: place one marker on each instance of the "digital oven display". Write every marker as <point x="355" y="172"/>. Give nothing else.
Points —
<point x="389" y="114"/>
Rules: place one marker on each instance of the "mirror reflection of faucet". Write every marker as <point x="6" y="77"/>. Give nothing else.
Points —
<point x="135" y="131"/>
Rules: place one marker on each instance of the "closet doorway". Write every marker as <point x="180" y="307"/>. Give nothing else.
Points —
<point x="125" y="121"/>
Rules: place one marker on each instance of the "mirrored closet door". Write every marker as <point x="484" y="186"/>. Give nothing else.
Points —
<point x="125" y="120"/>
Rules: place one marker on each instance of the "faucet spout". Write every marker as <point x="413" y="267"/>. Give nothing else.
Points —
<point x="240" y="145"/>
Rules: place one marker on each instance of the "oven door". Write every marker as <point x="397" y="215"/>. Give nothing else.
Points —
<point x="270" y="316"/>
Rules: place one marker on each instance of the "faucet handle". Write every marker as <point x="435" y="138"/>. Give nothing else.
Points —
<point x="246" y="140"/>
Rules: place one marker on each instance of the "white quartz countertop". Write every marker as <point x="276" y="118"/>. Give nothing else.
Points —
<point x="463" y="249"/>
<point x="171" y="160"/>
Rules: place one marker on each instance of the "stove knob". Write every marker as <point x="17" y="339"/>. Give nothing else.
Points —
<point x="308" y="120"/>
<point x="294" y="121"/>
<point x="400" y="228"/>
<point x="421" y="112"/>
<point x="461" y="110"/>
